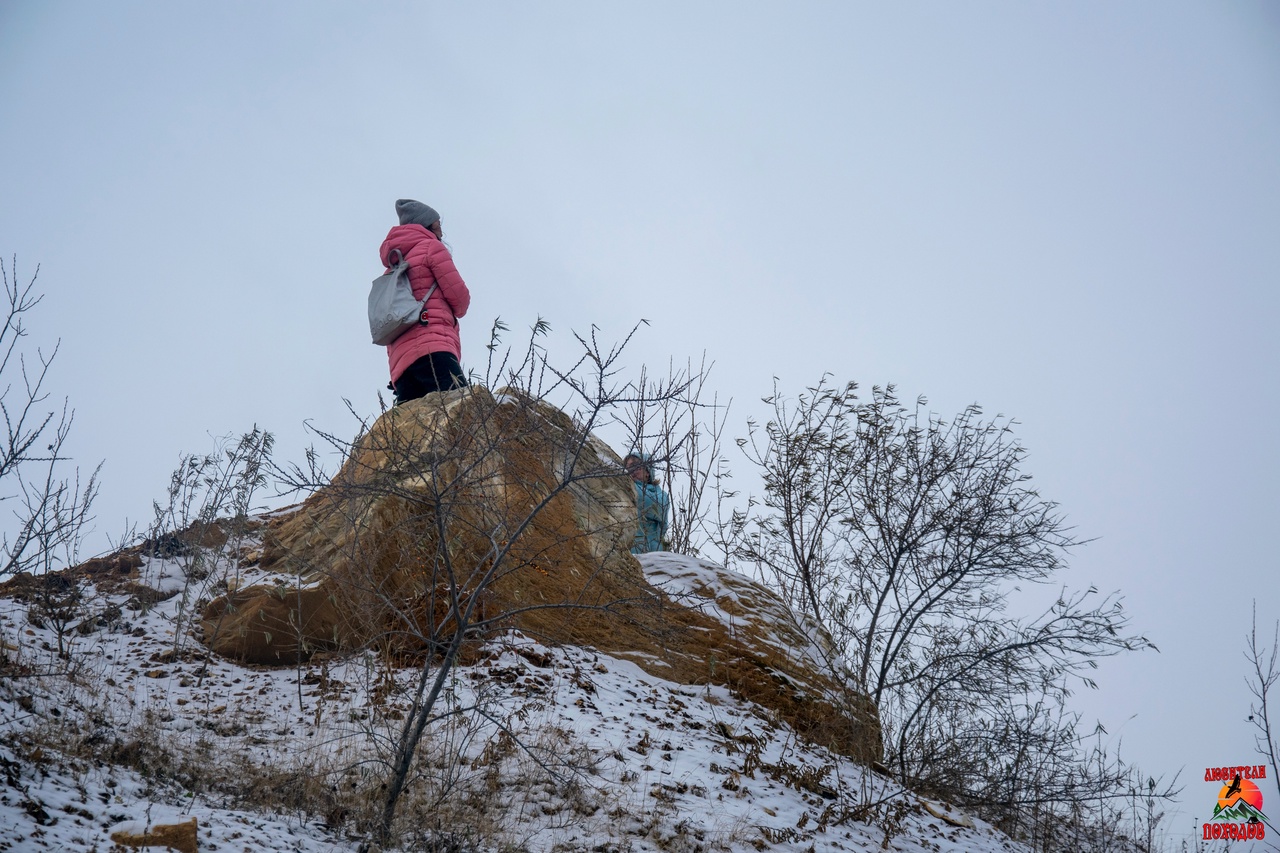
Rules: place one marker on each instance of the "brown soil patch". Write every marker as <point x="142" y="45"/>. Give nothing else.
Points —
<point x="171" y="836"/>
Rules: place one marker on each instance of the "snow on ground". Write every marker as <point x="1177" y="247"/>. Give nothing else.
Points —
<point x="639" y="763"/>
<point x="733" y="598"/>
<point x="54" y="803"/>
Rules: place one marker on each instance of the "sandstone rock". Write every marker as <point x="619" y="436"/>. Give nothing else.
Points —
<point x="505" y="503"/>
<point x="173" y="836"/>
<point x="368" y="552"/>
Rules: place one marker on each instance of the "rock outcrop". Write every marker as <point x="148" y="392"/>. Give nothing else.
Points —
<point x="501" y="507"/>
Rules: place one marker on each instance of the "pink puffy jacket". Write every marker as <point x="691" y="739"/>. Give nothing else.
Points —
<point x="429" y="261"/>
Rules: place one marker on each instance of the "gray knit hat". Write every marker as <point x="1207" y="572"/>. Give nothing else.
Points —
<point x="416" y="213"/>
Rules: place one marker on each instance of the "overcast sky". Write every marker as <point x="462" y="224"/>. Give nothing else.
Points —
<point x="1068" y="213"/>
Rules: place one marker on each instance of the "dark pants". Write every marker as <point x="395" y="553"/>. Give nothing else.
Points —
<point x="437" y="371"/>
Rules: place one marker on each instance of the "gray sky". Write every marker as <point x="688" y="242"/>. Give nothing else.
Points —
<point x="1068" y="213"/>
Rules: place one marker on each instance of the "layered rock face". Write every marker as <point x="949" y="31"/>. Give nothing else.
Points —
<point x="498" y="512"/>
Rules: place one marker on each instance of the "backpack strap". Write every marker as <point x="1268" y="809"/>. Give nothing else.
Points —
<point x="422" y="315"/>
<point x="446" y="302"/>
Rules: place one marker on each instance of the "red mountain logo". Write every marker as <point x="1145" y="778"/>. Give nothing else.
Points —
<point x="1238" y="814"/>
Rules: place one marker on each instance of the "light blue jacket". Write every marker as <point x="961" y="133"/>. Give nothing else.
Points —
<point x="654" y="507"/>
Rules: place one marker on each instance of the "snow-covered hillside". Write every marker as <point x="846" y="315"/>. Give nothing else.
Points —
<point x="550" y="749"/>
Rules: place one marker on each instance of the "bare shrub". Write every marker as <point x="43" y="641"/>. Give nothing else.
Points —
<point x="48" y="508"/>
<point x="51" y="511"/>
<point x="205" y="519"/>
<point x="487" y="499"/>
<point x="905" y="535"/>
<point x="683" y="436"/>
<point x="1264" y="663"/>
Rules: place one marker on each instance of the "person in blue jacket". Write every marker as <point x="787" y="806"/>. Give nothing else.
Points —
<point x="651" y="502"/>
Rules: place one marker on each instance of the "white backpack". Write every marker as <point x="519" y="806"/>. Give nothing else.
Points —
<point x="393" y="310"/>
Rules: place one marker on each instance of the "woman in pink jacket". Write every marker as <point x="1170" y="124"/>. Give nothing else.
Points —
<point x="428" y="357"/>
